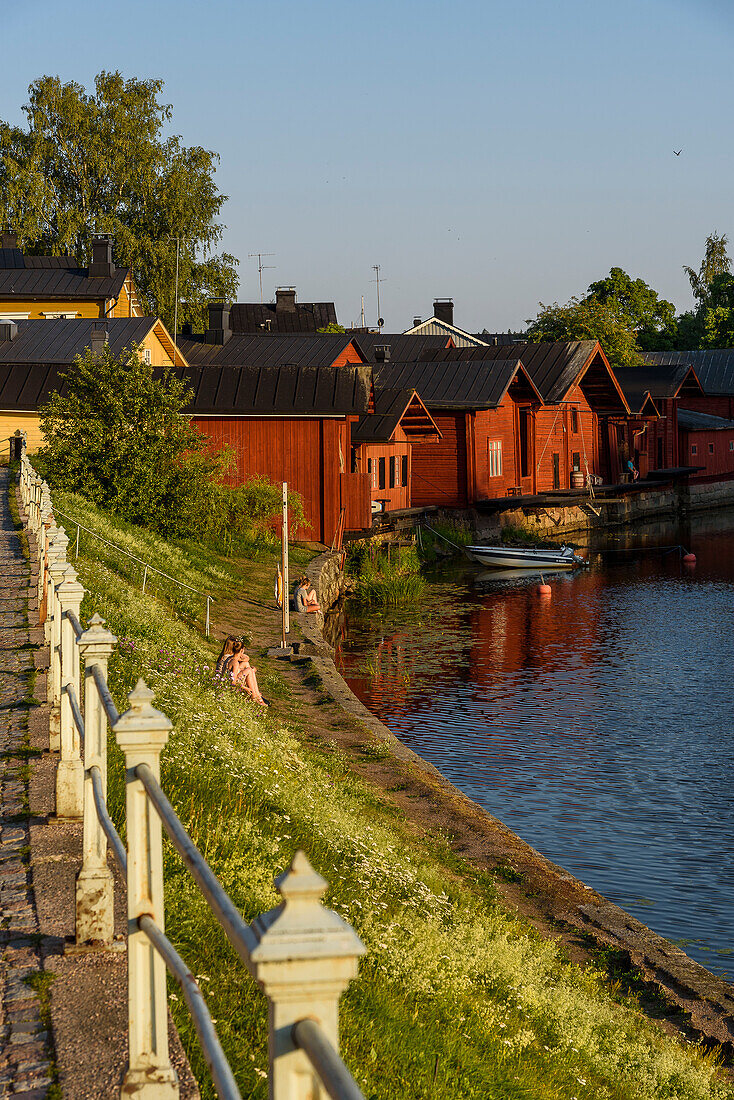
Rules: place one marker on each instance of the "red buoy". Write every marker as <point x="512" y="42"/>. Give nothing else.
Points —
<point x="690" y="559"/>
<point x="544" y="589"/>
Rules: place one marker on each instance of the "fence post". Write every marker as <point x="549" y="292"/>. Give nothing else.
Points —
<point x="94" y="888"/>
<point x="70" y="771"/>
<point x="57" y="565"/>
<point x="141" y="733"/>
<point x="305" y="958"/>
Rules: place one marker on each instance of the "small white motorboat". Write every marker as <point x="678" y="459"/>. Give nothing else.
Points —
<point x="518" y="557"/>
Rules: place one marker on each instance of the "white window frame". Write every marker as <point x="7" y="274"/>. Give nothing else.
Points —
<point x="5" y="317"/>
<point x="494" y="457"/>
<point x="61" y="316"/>
<point x="694" y="448"/>
<point x="147" y="356"/>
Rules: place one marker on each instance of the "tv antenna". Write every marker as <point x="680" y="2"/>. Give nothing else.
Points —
<point x="377" y="280"/>
<point x="262" y="267"/>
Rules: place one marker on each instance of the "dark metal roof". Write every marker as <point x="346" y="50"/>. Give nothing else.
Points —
<point x="657" y="380"/>
<point x="553" y="367"/>
<point x="254" y="317"/>
<point x="261" y="351"/>
<point x="30" y="364"/>
<point x="378" y="427"/>
<point x="403" y="349"/>
<point x="458" y="384"/>
<point x="285" y="390"/>
<point x="714" y="368"/>
<point x="40" y="341"/>
<point x="52" y="277"/>
<point x="702" y="422"/>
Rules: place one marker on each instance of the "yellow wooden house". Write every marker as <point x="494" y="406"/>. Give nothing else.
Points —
<point x="55" y="287"/>
<point x="35" y="353"/>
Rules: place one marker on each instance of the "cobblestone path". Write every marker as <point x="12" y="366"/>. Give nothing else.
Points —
<point x="24" y="1059"/>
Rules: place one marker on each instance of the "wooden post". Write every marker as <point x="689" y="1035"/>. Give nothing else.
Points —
<point x="142" y="733"/>
<point x="305" y="957"/>
<point x="285" y="616"/>
<point x="70" y="771"/>
<point x="94" y="889"/>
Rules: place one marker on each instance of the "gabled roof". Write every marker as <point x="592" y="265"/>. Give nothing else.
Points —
<point x="691" y="421"/>
<point x="284" y="390"/>
<point x="554" y="368"/>
<point x="393" y="408"/>
<point x="31" y="364"/>
<point x="257" y="317"/>
<point x="28" y="277"/>
<point x="403" y="348"/>
<point x="41" y="341"/>
<point x="657" y="380"/>
<point x="243" y="349"/>
<point x="434" y="326"/>
<point x="714" y="368"/>
<point x="458" y="384"/>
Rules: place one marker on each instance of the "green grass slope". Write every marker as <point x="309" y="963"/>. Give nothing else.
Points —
<point x="456" y="997"/>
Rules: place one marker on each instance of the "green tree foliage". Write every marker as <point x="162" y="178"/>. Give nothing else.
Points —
<point x="120" y="437"/>
<point x="638" y="307"/>
<point x="715" y="263"/>
<point x="100" y="162"/>
<point x="332" y="327"/>
<point x="588" y="319"/>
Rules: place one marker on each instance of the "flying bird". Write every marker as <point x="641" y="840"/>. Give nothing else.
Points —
<point x="678" y="151"/>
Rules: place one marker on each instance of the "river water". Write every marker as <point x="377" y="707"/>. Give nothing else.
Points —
<point x="596" y="723"/>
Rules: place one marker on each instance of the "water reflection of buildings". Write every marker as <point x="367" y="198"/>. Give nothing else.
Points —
<point x="516" y="634"/>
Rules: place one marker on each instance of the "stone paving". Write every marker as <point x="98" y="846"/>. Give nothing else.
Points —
<point x="25" y="1045"/>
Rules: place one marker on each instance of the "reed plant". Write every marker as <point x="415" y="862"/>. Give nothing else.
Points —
<point x="457" y="999"/>
<point x="385" y="576"/>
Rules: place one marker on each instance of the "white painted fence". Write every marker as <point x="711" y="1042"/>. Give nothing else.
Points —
<point x="301" y="954"/>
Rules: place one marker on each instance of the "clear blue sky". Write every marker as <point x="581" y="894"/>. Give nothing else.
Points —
<point x="502" y="153"/>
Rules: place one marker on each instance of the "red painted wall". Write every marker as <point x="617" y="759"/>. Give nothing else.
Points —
<point x="304" y="452"/>
<point x="494" y="426"/>
<point x="439" y="469"/>
<point x="720" y="464"/>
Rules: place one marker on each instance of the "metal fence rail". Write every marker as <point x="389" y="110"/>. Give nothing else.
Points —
<point x="301" y="954"/>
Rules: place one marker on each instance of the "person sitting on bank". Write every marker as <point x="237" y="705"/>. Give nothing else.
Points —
<point x="310" y="599"/>
<point x="244" y="675"/>
<point x="299" y="593"/>
<point x="631" y="470"/>
<point x="223" y="658"/>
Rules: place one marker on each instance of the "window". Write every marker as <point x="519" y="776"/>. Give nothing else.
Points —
<point x="694" y="449"/>
<point x="574" y="421"/>
<point x="393" y="471"/>
<point x="556" y="470"/>
<point x="372" y="472"/>
<point x="731" y="444"/>
<point x="355" y="466"/>
<point x="381" y="474"/>
<point x="576" y="461"/>
<point x="147" y="358"/>
<point x="405" y="469"/>
<point x="60" y="316"/>
<point x="711" y="448"/>
<point x="4" y="317"/>
<point x="494" y="457"/>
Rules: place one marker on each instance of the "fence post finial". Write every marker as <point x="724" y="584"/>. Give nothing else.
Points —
<point x="94" y="887"/>
<point x="70" y="771"/>
<point x="142" y="732"/>
<point x="305" y="957"/>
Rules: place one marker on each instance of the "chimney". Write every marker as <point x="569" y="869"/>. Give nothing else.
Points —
<point x="9" y="240"/>
<point x="285" y="299"/>
<point x="443" y="310"/>
<point x="187" y="329"/>
<point x="416" y="322"/>
<point x="98" y="338"/>
<point x="102" y="266"/>
<point x="219" y="330"/>
<point x="8" y="331"/>
<point x="382" y="353"/>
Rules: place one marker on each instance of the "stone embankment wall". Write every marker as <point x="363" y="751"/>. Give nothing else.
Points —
<point x="710" y="494"/>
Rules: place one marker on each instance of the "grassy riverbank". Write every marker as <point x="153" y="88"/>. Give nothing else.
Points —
<point x="457" y="998"/>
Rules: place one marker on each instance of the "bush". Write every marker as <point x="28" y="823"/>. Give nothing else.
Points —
<point x="120" y="437"/>
<point x="385" y="577"/>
